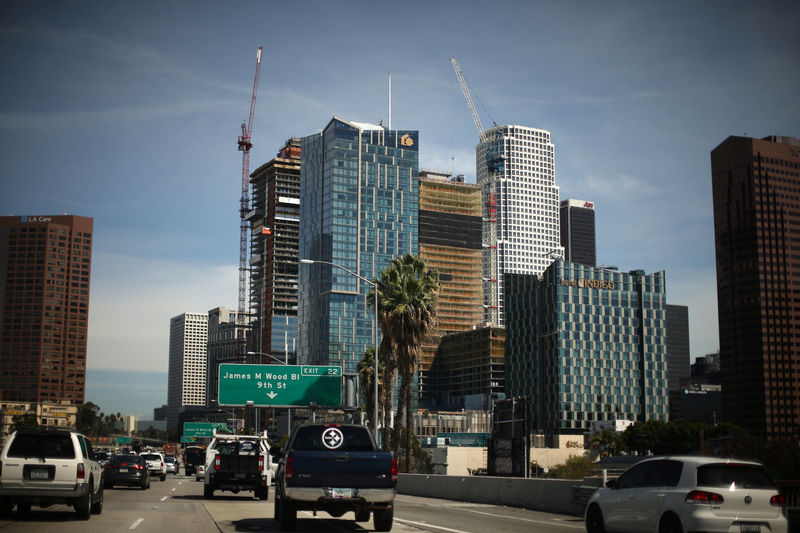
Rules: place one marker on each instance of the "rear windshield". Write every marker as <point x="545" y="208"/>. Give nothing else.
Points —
<point x="127" y="459"/>
<point x="151" y="457"/>
<point x="733" y="475"/>
<point x="334" y="438"/>
<point x="54" y="446"/>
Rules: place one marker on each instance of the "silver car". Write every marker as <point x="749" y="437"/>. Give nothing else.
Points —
<point x="171" y="463"/>
<point x="678" y="494"/>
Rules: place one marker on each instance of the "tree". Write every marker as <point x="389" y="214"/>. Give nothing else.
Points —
<point x="576" y="467"/>
<point x="22" y="421"/>
<point x="366" y="381"/>
<point x="86" y="420"/>
<point x="407" y="297"/>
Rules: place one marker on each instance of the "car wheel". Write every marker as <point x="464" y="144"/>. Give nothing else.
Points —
<point x="383" y="519"/>
<point x="97" y="506"/>
<point x="670" y="523"/>
<point x="5" y="507"/>
<point x="262" y="493"/>
<point x="23" y="508"/>
<point x="208" y="492"/>
<point x="594" y="520"/>
<point x="163" y="477"/>
<point x="362" y="515"/>
<point x="288" y="515"/>
<point x="277" y="512"/>
<point x="83" y="507"/>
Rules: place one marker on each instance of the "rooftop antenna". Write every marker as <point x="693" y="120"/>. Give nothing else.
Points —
<point x="390" y="99"/>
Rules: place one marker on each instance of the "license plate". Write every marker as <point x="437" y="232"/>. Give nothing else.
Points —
<point x="750" y="528"/>
<point x="342" y="493"/>
<point x="123" y="470"/>
<point x="39" y="474"/>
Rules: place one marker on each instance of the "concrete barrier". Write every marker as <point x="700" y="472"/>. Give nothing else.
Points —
<point x="563" y="496"/>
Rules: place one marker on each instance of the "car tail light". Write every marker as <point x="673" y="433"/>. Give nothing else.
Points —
<point x="81" y="471"/>
<point x="779" y="500"/>
<point x="394" y="469"/>
<point x="260" y="464"/>
<point x="289" y="467"/>
<point x="216" y="462"/>
<point x="109" y="467"/>
<point x="704" y="497"/>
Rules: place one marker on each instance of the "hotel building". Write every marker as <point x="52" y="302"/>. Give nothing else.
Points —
<point x="188" y="337"/>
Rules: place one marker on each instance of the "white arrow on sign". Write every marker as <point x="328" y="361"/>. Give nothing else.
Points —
<point x="272" y="395"/>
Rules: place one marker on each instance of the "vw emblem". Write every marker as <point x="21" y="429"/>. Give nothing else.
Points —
<point x="748" y="499"/>
<point x="332" y="438"/>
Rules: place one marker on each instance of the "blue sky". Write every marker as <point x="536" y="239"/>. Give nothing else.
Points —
<point x="128" y="112"/>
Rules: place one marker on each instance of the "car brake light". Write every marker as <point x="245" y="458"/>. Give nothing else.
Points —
<point x="394" y="470"/>
<point x="779" y="500"/>
<point x="81" y="471"/>
<point x="290" y="467"/>
<point x="704" y="497"/>
<point x="260" y="464"/>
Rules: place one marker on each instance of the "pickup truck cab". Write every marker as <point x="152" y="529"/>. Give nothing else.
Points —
<point x="236" y="463"/>
<point x="155" y="464"/>
<point x="334" y="468"/>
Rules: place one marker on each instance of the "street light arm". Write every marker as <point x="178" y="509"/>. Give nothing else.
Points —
<point x="312" y="261"/>
<point x="270" y="356"/>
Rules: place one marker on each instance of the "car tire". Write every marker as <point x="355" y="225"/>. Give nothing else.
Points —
<point x="84" y="506"/>
<point x="23" y="508"/>
<point x="670" y="523"/>
<point x="163" y="477"/>
<point x="276" y="515"/>
<point x="5" y="507"/>
<point x="262" y="493"/>
<point x="97" y="505"/>
<point x="594" y="520"/>
<point x="208" y="492"/>
<point x="288" y="515"/>
<point x="362" y="515"/>
<point x="383" y="518"/>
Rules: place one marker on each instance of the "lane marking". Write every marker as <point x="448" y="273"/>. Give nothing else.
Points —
<point x="164" y="498"/>
<point x="427" y="525"/>
<point x="136" y="524"/>
<point x="543" y="522"/>
<point x="173" y="490"/>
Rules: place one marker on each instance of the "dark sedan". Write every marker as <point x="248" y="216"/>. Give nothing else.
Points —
<point x="128" y="470"/>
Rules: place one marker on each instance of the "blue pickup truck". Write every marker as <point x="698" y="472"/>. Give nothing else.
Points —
<point x="334" y="468"/>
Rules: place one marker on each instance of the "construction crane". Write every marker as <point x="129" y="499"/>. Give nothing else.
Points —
<point x="495" y="166"/>
<point x="245" y="143"/>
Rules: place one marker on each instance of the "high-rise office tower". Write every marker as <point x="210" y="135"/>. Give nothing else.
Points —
<point x="358" y="210"/>
<point x="45" y="268"/>
<point x="516" y="169"/>
<point x="188" y="336"/>
<point x="275" y="224"/>
<point x="450" y="241"/>
<point x="578" y="232"/>
<point x="587" y="344"/>
<point x="678" y="368"/>
<point x="223" y="346"/>
<point x="756" y="188"/>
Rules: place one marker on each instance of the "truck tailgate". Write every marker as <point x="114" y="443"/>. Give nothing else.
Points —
<point x="342" y="469"/>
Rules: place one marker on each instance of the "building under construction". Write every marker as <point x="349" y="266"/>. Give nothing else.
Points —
<point x="274" y="242"/>
<point x="450" y="242"/>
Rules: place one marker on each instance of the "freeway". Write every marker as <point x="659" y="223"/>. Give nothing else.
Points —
<point x="177" y="506"/>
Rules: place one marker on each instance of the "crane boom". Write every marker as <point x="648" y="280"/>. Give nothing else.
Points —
<point x="245" y="143"/>
<point x="468" y="97"/>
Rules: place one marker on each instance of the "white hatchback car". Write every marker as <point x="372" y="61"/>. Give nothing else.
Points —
<point x="679" y="494"/>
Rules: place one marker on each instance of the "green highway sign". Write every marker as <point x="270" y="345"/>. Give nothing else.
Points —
<point x="280" y="386"/>
<point x="188" y="439"/>
<point x="122" y="440"/>
<point x="199" y="429"/>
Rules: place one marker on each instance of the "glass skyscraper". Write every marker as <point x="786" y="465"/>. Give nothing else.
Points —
<point x="587" y="344"/>
<point x="358" y="209"/>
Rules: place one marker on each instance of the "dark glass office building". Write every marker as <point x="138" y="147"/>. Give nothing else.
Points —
<point x="578" y="232"/>
<point x="587" y="344"/>
<point x="358" y="210"/>
<point x="756" y="188"/>
<point x="678" y="368"/>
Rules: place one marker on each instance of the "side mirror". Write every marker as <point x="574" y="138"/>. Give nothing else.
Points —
<point x="275" y="451"/>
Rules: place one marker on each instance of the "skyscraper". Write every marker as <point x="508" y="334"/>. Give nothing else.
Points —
<point x="45" y="268"/>
<point x="188" y="336"/>
<point x="587" y="344"/>
<point x="756" y="188"/>
<point x="678" y="368"/>
<point x="358" y="210"/>
<point x="450" y="241"/>
<point x="516" y="169"/>
<point x="578" y="232"/>
<point x="275" y="224"/>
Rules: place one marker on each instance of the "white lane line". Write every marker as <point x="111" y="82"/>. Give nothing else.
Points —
<point x="173" y="490"/>
<point x="427" y="525"/>
<point x="543" y="522"/>
<point x="136" y="524"/>
<point x="164" y="498"/>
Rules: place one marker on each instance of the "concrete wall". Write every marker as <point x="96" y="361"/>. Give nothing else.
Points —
<point x="563" y="496"/>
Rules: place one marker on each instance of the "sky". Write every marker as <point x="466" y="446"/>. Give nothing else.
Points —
<point x="128" y="112"/>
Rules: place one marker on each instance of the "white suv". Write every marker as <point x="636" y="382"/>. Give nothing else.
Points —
<point x="155" y="464"/>
<point x="43" y="466"/>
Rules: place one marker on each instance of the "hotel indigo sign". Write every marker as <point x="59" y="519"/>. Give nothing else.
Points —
<point x="589" y="283"/>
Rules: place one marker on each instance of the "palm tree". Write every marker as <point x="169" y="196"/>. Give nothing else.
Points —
<point x="407" y="295"/>
<point x="366" y="381"/>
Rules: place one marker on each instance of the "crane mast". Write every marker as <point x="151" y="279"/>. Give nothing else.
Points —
<point x="494" y="159"/>
<point x="245" y="143"/>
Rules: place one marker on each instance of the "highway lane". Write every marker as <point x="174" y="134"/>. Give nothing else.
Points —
<point x="177" y="506"/>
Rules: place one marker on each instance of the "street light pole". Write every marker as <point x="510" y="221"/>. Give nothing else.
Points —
<point x="374" y="328"/>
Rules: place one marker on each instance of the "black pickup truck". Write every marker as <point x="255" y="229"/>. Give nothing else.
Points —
<point x="336" y="469"/>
